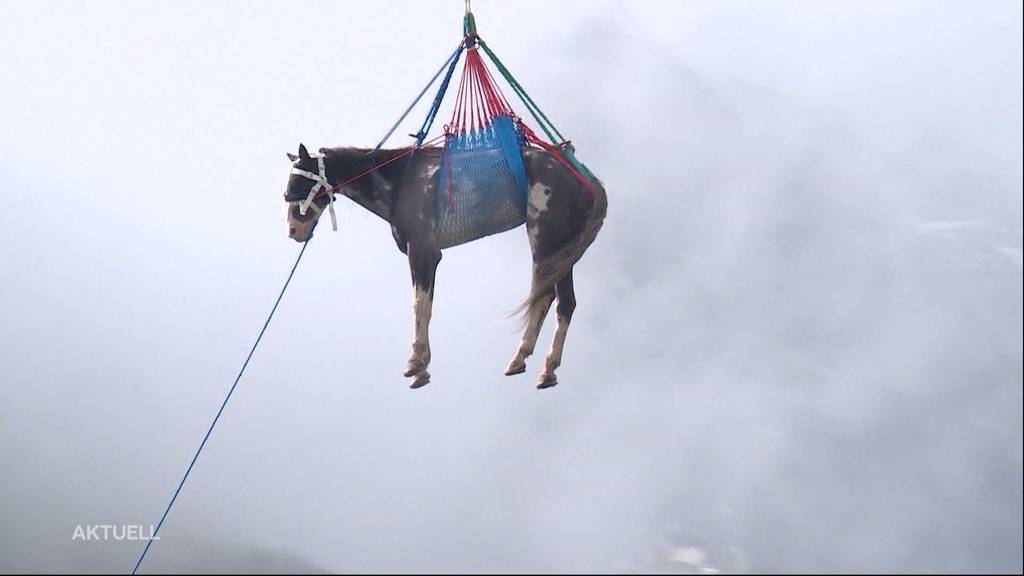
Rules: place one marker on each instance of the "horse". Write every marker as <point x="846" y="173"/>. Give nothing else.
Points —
<point x="563" y="217"/>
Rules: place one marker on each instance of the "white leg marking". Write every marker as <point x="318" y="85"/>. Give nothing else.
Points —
<point x="534" y="322"/>
<point x="422" y="307"/>
<point x="533" y="326"/>
<point x="554" y="359"/>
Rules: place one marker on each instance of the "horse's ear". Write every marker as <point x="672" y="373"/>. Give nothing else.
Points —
<point x="292" y="157"/>
<point x="303" y="153"/>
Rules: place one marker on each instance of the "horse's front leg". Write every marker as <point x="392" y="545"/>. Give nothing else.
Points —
<point x="423" y="267"/>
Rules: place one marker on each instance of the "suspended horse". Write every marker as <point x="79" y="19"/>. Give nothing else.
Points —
<point x="490" y="174"/>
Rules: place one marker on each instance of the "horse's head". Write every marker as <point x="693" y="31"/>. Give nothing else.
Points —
<point x="307" y="194"/>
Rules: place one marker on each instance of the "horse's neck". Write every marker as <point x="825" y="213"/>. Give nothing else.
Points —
<point x="376" y="180"/>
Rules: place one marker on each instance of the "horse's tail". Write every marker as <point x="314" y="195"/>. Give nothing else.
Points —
<point x="553" y="268"/>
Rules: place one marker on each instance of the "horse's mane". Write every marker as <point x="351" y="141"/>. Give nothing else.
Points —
<point x="383" y="154"/>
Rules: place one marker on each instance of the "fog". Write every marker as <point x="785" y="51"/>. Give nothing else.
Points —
<point x="798" y="339"/>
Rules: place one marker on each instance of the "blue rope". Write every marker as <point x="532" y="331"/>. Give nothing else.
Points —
<point x="436" y="106"/>
<point x="223" y="404"/>
<point x="449" y="64"/>
<point x="454" y="56"/>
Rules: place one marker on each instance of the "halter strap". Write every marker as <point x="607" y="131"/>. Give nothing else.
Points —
<point x="320" y="180"/>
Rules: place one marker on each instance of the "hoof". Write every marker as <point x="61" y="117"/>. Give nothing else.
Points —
<point x="515" y="368"/>
<point x="414" y="367"/>
<point x="547" y="380"/>
<point x="420" y="380"/>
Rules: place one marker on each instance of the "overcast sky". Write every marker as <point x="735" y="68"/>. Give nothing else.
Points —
<point x="798" y="339"/>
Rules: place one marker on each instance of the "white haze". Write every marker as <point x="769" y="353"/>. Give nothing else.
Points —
<point x="798" y="340"/>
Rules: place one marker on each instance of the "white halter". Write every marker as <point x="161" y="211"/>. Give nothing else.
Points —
<point x="321" y="182"/>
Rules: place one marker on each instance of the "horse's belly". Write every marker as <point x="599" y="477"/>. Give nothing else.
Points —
<point x="480" y="190"/>
<point x="466" y="218"/>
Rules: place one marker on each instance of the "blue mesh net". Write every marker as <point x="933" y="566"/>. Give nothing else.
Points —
<point x="481" y="184"/>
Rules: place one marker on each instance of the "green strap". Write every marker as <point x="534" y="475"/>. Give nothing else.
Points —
<point x="534" y="110"/>
<point x="553" y="134"/>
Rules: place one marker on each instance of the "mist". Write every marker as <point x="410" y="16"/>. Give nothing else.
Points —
<point x="797" y="346"/>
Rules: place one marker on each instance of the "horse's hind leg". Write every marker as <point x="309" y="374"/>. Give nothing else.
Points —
<point x="566" y="306"/>
<point x="534" y="320"/>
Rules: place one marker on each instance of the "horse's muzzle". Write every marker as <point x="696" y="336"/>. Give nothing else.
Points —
<point x="300" y="231"/>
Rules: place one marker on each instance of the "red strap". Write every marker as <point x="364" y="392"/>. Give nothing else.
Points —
<point x="556" y="153"/>
<point x="411" y="150"/>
